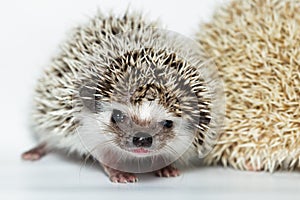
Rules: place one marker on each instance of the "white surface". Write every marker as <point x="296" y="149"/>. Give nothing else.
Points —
<point x="56" y="177"/>
<point x="30" y="34"/>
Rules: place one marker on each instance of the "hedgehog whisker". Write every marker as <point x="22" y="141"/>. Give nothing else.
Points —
<point x="90" y="152"/>
<point x="172" y="150"/>
<point x="97" y="146"/>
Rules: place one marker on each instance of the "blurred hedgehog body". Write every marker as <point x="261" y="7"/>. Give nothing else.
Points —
<point x="122" y="90"/>
<point x="255" y="45"/>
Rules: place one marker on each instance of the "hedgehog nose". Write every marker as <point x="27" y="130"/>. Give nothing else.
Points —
<point x="142" y="139"/>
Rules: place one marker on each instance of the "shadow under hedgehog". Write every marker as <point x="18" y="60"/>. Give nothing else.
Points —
<point x="135" y="97"/>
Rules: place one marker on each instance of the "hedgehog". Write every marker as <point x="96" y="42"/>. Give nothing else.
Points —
<point x="255" y="45"/>
<point x="131" y="95"/>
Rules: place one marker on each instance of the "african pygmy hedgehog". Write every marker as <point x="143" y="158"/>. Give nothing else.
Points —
<point x="135" y="97"/>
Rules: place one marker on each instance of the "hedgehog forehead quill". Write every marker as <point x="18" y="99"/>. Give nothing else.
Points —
<point x="132" y="95"/>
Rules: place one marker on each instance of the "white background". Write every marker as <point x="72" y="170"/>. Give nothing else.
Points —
<point x="30" y="32"/>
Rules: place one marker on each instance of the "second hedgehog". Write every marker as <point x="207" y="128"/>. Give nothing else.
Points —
<point x="134" y="97"/>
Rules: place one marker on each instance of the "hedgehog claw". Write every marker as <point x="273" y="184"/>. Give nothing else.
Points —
<point x="168" y="171"/>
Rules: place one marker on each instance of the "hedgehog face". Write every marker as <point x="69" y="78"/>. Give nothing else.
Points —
<point x="143" y="129"/>
<point x="136" y="137"/>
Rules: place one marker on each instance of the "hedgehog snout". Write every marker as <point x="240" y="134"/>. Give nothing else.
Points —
<point x="142" y="139"/>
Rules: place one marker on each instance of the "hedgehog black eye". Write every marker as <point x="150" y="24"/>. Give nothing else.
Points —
<point x="118" y="116"/>
<point x="167" y="123"/>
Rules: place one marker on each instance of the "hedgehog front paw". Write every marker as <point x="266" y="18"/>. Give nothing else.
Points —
<point x="168" y="171"/>
<point x="117" y="176"/>
<point x="123" y="177"/>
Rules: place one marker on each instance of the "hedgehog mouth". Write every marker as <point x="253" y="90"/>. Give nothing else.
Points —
<point x="140" y="150"/>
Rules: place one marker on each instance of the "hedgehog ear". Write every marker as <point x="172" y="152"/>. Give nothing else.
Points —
<point x="87" y="95"/>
